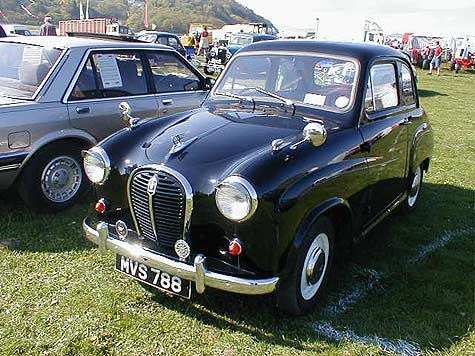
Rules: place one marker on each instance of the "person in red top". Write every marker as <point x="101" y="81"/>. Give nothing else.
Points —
<point x="437" y="59"/>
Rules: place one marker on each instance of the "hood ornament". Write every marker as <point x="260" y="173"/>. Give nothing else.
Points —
<point x="179" y="145"/>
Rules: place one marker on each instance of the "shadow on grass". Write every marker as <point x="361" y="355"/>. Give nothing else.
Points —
<point x="428" y="302"/>
<point x="429" y="93"/>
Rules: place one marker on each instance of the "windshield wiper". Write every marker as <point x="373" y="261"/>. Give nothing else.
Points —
<point x="286" y="101"/>
<point x="240" y="97"/>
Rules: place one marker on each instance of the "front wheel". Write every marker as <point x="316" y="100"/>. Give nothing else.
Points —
<point x="53" y="179"/>
<point x="299" y="291"/>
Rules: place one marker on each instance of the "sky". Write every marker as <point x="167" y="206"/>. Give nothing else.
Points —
<point x="344" y="19"/>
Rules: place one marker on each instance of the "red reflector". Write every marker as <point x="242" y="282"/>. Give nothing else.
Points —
<point x="235" y="247"/>
<point x="100" y="206"/>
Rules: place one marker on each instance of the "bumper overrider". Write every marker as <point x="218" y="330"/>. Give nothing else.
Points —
<point x="197" y="272"/>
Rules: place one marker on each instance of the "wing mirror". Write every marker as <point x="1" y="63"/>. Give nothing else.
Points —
<point x="126" y="114"/>
<point x="315" y="133"/>
<point x="209" y="82"/>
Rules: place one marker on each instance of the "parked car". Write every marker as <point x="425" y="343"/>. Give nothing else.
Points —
<point x="163" y="38"/>
<point x="301" y="148"/>
<point x="16" y="30"/>
<point x="218" y="56"/>
<point x="2" y="32"/>
<point x="59" y="98"/>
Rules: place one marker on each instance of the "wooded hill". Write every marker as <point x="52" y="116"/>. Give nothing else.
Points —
<point x="167" y="15"/>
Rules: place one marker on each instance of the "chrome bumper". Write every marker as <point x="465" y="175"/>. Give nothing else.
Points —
<point x="197" y="272"/>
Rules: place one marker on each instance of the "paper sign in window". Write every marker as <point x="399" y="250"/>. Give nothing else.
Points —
<point x="314" y="99"/>
<point x="32" y="54"/>
<point x="109" y="71"/>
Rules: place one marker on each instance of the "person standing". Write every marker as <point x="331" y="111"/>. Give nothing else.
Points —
<point x="47" y="28"/>
<point x="437" y="59"/>
<point x="204" y="41"/>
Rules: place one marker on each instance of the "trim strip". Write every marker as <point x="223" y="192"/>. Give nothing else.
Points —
<point x="11" y="166"/>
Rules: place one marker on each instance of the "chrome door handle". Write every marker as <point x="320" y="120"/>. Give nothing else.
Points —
<point x="167" y="101"/>
<point x="407" y="121"/>
<point x="84" y="110"/>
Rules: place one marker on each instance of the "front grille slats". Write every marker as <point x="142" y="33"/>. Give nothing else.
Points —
<point x="166" y="206"/>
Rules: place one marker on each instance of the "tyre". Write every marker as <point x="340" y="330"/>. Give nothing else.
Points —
<point x="299" y="291"/>
<point x="414" y="190"/>
<point x="458" y="66"/>
<point x="53" y="179"/>
<point x="452" y="65"/>
<point x="208" y="70"/>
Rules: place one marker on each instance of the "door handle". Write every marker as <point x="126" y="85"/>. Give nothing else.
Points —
<point x="84" y="110"/>
<point x="407" y="121"/>
<point x="167" y="101"/>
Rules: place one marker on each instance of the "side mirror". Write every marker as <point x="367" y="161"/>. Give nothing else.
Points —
<point x="315" y="133"/>
<point x="209" y="82"/>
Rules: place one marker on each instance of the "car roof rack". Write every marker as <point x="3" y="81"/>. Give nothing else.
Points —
<point x="124" y="38"/>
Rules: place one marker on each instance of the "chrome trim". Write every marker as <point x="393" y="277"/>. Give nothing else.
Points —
<point x="197" y="272"/>
<point x="151" y="193"/>
<point x="232" y="181"/>
<point x="10" y="166"/>
<point x="384" y="214"/>
<point x="188" y="196"/>
<point x="99" y="151"/>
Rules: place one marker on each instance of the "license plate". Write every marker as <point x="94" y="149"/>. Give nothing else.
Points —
<point x="153" y="277"/>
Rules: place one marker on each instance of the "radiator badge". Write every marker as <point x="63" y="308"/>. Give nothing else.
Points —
<point x="182" y="249"/>
<point x="152" y="185"/>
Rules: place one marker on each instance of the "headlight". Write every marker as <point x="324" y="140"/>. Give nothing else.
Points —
<point x="236" y="198"/>
<point x="96" y="165"/>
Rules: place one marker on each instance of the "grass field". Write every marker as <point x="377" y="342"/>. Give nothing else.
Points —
<point x="413" y="280"/>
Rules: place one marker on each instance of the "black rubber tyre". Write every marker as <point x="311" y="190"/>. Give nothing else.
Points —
<point x="452" y="65"/>
<point x="414" y="188"/>
<point x="458" y="66"/>
<point x="296" y="293"/>
<point x="208" y="71"/>
<point x="58" y="163"/>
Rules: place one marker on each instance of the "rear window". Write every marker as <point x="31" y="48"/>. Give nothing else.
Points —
<point x="23" y="68"/>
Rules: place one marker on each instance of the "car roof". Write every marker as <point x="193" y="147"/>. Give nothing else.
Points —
<point x="158" y="33"/>
<point x="361" y="51"/>
<point x="64" y="42"/>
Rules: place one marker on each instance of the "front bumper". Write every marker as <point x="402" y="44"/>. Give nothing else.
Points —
<point x="197" y="272"/>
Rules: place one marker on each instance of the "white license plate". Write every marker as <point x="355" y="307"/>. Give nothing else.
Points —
<point x="153" y="277"/>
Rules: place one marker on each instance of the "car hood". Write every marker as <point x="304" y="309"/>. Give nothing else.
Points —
<point x="219" y="143"/>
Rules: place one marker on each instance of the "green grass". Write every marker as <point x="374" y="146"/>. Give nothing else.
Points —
<point x="59" y="296"/>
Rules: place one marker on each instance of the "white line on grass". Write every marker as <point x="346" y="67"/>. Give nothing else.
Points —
<point x="398" y="346"/>
<point x="443" y="240"/>
<point x="360" y="290"/>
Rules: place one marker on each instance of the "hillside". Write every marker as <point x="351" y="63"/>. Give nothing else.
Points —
<point x="168" y="15"/>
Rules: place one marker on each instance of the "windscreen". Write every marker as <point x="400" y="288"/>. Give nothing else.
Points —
<point x="320" y="81"/>
<point x="23" y="68"/>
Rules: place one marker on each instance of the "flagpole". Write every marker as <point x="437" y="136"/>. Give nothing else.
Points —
<point x="87" y="9"/>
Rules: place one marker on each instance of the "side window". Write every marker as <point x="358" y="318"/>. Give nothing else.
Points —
<point x="172" y="42"/>
<point x="407" y="87"/>
<point x="85" y="87"/>
<point x="384" y="87"/>
<point x="368" y="101"/>
<point x="170" y="74"/>
<point x="120" y="74"/>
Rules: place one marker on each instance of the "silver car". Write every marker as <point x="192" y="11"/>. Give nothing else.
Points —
<point x="60" y="95"/>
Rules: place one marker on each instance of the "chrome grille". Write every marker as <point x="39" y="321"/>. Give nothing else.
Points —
<point x="160" y="214"/>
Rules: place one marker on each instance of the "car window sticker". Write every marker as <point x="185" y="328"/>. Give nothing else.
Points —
<point x="109" y="71"/>
<point x="314" y="99"/>
<point x="32" y="54"/>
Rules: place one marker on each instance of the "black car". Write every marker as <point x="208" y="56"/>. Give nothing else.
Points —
<point x="163" y="38"/>
<point x="301" y="148"/>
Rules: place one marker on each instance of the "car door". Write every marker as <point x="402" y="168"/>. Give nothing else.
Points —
<point x="384" y="131"/>
<point x="105" y="80"/>
<point x="176" y="84"/>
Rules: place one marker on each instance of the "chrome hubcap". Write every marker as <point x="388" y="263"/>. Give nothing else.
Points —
<point x="315" y="266"/>
<point x="61" y="179"/>
<point x="415" y="187"/>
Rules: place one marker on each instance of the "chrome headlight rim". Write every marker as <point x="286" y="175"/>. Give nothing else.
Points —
<point x="238" y="182"/>
<point x="100" y="154"/>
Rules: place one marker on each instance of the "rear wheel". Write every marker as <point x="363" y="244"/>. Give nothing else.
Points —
<point x="299" y="291"/>
<point x="414" y="190"/>
<point x="54" y="178"/>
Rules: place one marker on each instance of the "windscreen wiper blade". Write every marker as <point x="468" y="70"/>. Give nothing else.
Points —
<point x="286" y="101"/>
<point x="240" y="97"/>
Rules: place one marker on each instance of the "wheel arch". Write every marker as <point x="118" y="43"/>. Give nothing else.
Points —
<point x="339" y="212"/>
